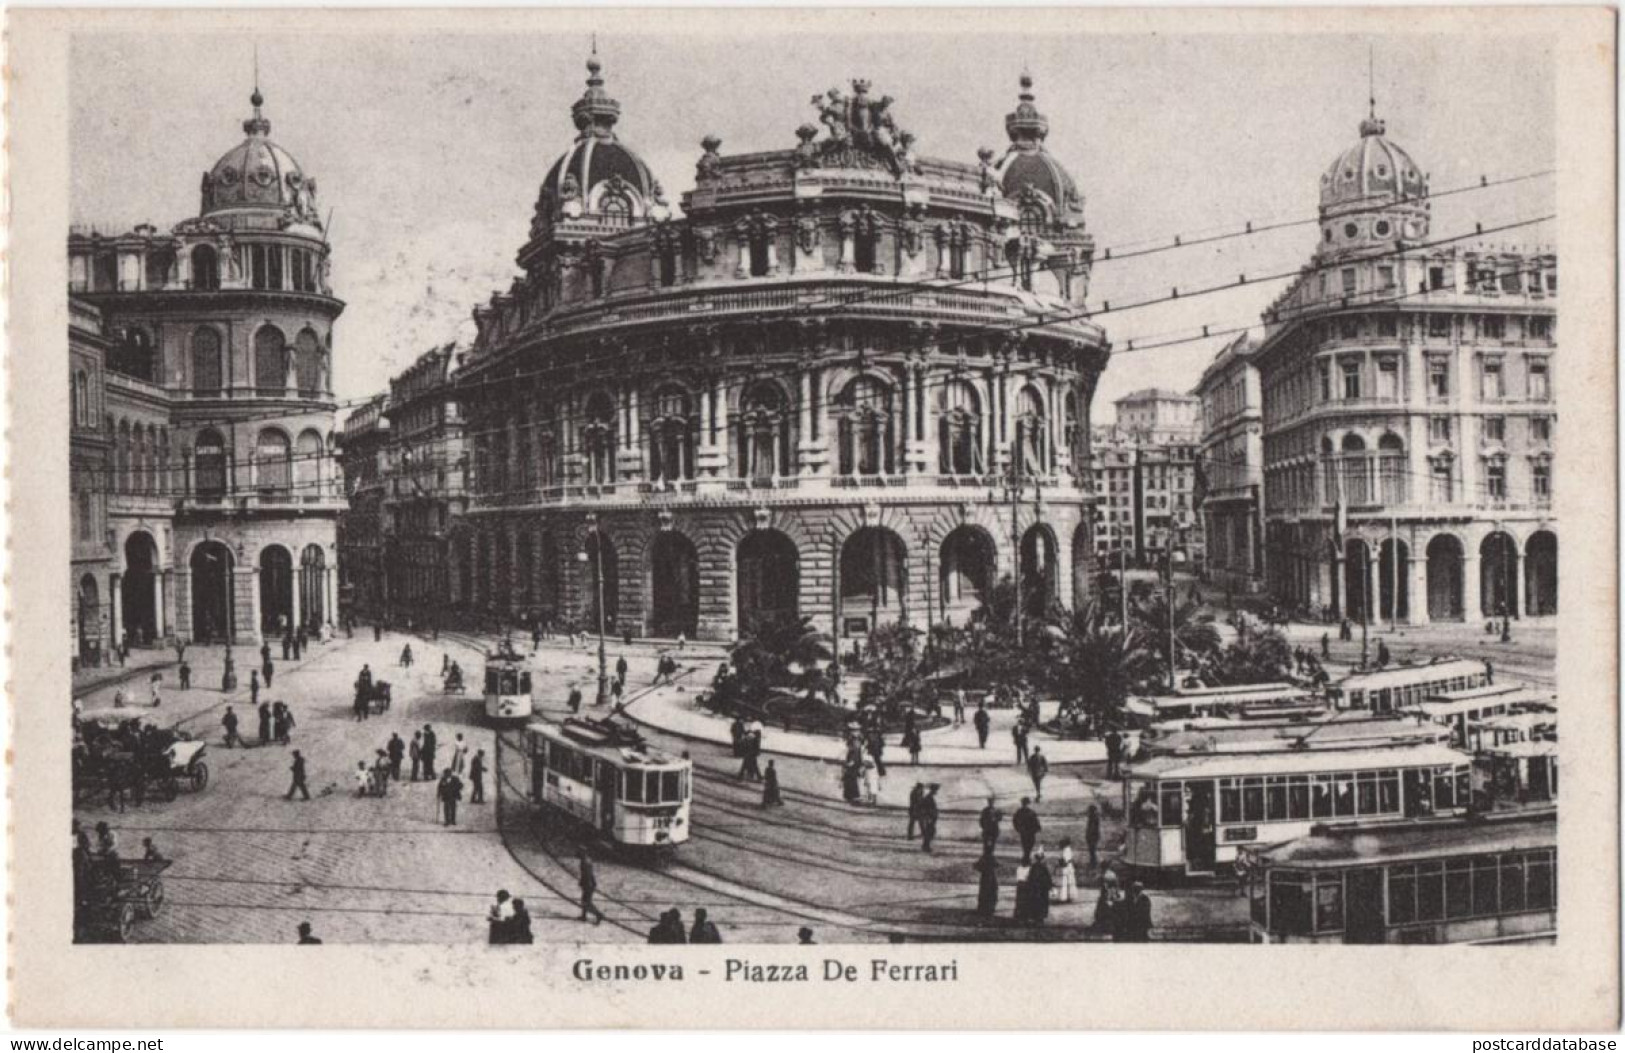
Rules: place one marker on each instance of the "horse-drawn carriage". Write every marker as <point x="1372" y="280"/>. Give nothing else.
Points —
<point x="111" y="895"/>
<point x="116" y="753"/>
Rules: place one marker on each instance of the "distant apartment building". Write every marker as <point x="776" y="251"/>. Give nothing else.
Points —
<point x="1232" y="467"/>
<point x="1145" y="474"/>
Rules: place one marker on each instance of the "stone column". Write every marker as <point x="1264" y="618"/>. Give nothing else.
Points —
<point x="298" y="599"/>
<point x="1373" y="588"/>
<point x="159" y="623"/>
<point x="1419" y="591"/>
<point x="1515" y="602"/>
<point x="115" y="613"/>
<point x="772" y="255"/>
<point x="1471" y="601"/>
<point x="744" y="258"/>
<point x="928" y="419"/>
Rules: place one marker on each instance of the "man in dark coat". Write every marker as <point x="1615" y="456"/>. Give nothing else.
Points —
<point x="1037" y="889"/>
<point x="915" y="796"/>
<point x="416" y="752"/>
<point x="229" y="722"/>
<point x="476" y="775"/>
<point x="1091" y="836"/>
<point x="587" y="881"/>
<point x="298" y="769"/>
<point x="428" y="752"/>
<point x="397" y="752"/>
<point x="704" y="929"/>
<point x="266" y="668"/>
<point x="575" y="700"/>
<point x="987" y="883"/>
<point x="983" y="724"/>
<point x="1037" y="768"/>
<point x="1027" y="826"/>
<point x="990" y="819"/>
<point x="265" y="723"/>
<point x="620" y="667"/>
<point x="1019" y="734"/>
<point x="451" y="791"/>
<point x="1114" y="753"/>
<point x="1136" y="913"/>
<point x="928" y="818"/>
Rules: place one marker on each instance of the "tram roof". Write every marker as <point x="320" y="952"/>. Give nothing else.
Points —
<point x="1493" y="692"/>
<point x="639" y="756"/>
<point x="1398" y="676"/>
<point x="1523" y="750"/>
<point x="1341" y="731"/>
<point x="1436" y="706"/>
<point x="1298" y="762"/>
<point x="1226" y="692"/>
<point x="1355" y="845"/>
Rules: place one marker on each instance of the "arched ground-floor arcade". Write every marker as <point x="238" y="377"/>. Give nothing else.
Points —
<point x="1416" y="571"/>
<point x="714" y="572"/>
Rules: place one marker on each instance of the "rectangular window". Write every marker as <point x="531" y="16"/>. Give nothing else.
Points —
<point x="1495" y="479"/>
<point x="1444" y="789"/>
<point x="1493" y="326"/>
<point x="1429" y="891"/>
<point x="1173" y="804"/>
<point x="1512" y="281"/>
<point x="1439" y="325"/>
<point x="1539" y="390"/>
<point x="1385" y="277"/>
<point x="1229" y="801"/>
<point x="1388" y="792"/>
<point x="1512" y="884"/>
<point x="1540" y="327"/>
<point x="1542" y="892"/>
<point x="1344" y="791"/>
<point x="84" y="515"/>
<point x="1458" y="888"/>
<point x="1348" y="281"/>
<point x="1325" y="369"/>
<point x="1492" y="387"/>
<point x="1328" y="903"/>
<point x="1320" y="797"/>
<point x="1495" y="429"/>
<point x="1542" y="480"/>
<point x="1401" y="895"/>
<point x="1289" y="902"/>
<point x="1486" y="886"/>
<point x="1439" y="430"/>
<point x="1252" y="800"/>
<point x="1351" y="380"/>
<point x="670" y="792"/>
<point x="1551" y="283"/>
<point x="1435" y="277"/>
<point x="1348" y="328"/>
<point x="1365" y="793"/>
<point x="1388" y="378"/>
<point x="1439" y="378"/>
<point x="1540" y="429"/>
<point x="1388" y="325"/>
<point x="1275" y="803"/>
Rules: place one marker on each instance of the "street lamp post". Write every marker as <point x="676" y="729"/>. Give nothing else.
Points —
<point x="598" y="581"/>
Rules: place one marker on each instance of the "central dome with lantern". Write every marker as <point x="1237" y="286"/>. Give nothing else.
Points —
<point x="1373" y="195"/>
<point x="599" y="178"/>
<point x="258" y="176"/>
<point x="1031" y="172"/>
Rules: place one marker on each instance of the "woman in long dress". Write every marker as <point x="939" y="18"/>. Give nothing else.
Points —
<point x="987" y="885"/>
<point x="1066" y="874"/>
<point x="871" y="783"/>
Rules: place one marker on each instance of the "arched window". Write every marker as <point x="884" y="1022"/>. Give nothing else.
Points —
<point x="1032" y="433"/>
<point x="1391" y="467"/>
<point x="1356" y="471"/>
<point x="121" y="454"/>
<point x="307" y="469"/>
<point x="205" y="268"/>
<point x="1032" y="218"/>
<point x="134" y="356"/>
<point x="616" y="210"/>
<point x="599" y="435"/>
<point x="270" y="361"/>
<point x="165" y="483"/>
<point x="307" y="360"/>
<point x="273" y="456"/>
<point x="81" y="400"/>
<point x="865" y="412"/>
<point x="764" y="433"/>
<point x="209" y="464"/>
<point x="671" y="436"/>
<point x="667" y="257"/>
<point x="208" y="374"/>
<point x="959" y="429"/>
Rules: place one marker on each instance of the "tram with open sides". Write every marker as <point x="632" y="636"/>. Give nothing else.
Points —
<point x="1403" y="686"/>
<point x="604" y="775"/>
<point x="1189" y="815"/>
<point x="507" y="686"/>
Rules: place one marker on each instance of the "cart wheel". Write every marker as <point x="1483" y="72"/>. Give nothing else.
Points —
<point x="124" y="922"/>
<point x="152" y="899"/>
<point x="169" y="788"/>
<point x="199" y="774"/>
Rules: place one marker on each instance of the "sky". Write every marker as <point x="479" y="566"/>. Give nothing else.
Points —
<point x="429" y="149"/>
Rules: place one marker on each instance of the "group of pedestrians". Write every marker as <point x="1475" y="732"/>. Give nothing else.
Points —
<point x="1040" y="879"/>
<point x="509" y="920"/>
<point x="275" y="725"/>
<point x="747" y="746"/>
<point x="923" y="812"/>
<point x="669" y="929"/>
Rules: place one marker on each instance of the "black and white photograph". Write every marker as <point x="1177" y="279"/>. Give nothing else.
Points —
<point x="820" y="485"/>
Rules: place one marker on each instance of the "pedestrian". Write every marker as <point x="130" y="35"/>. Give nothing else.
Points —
<point x="445" y="664"/>
<point x="397" y="752"/>
<point x="451" y="791"/>
<point x="1091" y="835"/>
<point x="1136" y="912"/>
<point x="983" y="723"/>
<point x="406" y="657"/>
<point x="1037" y="768"/>
<point x="459" y="754"/>
<point x="1325" y="645"/>
<point x="520" y="924"/>
<point x="186" y="676"/>
<point x="911" y="742"/>
<point x="682" y="641"/>
<point x="928" y="817"/>
<point x="989" y="822"/>
<point x="871" y="784"/>
<point x="959" y="707"/>
<point x="987" y="883"/>
<point x="1066" y="874"/>
<point x="306" y="937"/>
<point x="669" y="929"/>
<point x="364" y="783"/>
<point x="1038" y="886"/>
<point x="253" y="687"/>
<point x="1382" y="654"/>
<point x="620" y="667"/>
<point x="429" y="744"/>
<point x="415" y="751"/>
<point x="267" y="669"/>
<point x="736" y="732"/>
<point x="616" y="686"/>
<point x="287" y="646"/>
<point x="1026" y="825"/>
<point x="1114" y="753"/>
<point x="915" y="796"/>
<point x="1344" y="631"/>
<point x="476" y="775"/>
<point x="750" y="747"/>
<point x="1106" y="905"/>
<point x="1019" y="734"/>
<point x="587" y="881"/>
<point x="575" y="700"/>
<point x="704" y="930"/>
<point x="229" y="722"/>
<point x="499" y="919"/>
<point x="265" y="723"/>
<point x="804" y="936"/>
<point x="770" y="787"/>
<point x="1489" y="672"/>
<point x="626" y="637"/>
<point x="298" y="769"/>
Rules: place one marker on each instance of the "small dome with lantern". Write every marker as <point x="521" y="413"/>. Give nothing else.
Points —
<point x="1029" y="171"/>
<point x="259" y="174"/>
<point x="599" y="177"/>
<point x="1372" y="171"/>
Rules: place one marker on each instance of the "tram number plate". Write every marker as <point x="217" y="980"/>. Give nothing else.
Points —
<point x="1241" y="833"/>
<point x="662" y="822"/>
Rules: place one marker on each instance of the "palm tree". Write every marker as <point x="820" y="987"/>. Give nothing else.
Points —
<point x="1102" y="662"/>
<point x="779" y="652"/>
<point x="1196" y="640"/>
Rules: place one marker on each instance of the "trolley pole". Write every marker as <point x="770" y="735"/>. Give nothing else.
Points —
<point x="1173" y="660"/>
<point x="1506" y="583"/>
<point x="1122" y="581"/>
<point x="598" y="583"/>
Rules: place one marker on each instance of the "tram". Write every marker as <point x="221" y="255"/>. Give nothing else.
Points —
<point x="1317" y="731"/>
<point x="604" y="775"/>
<point x="1492" y="879"/>
<point x="1462" y="711"/>
<point x="507" y="686"/>
<point x="1189" y="815"/>
<point x="1241" y="702"/>
<point x="1403" y="686"/>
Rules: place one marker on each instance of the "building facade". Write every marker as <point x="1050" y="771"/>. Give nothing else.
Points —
<point x="425" y="491"/>
<point x="363" y="452"/>
<point x="1231" y="473"/>
<point x="216" y="408"/>
<point x="89" y="475"/>
<point x="1409" y="411"/>
<point x="1146" y="471"/>
<point x="809" y="396"/>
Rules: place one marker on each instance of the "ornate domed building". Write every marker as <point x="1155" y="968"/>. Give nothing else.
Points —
<point x="215" y="406"/>
<point x="1408" y="413"/>
<point x="809" y="394"/>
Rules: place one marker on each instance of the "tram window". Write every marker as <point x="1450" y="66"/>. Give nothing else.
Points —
<point x="1542" y="893"/>
<point x="1289" y="902"/>
<point x="1512" y="883"/>
<point x="633" y="785"/>
<point x="1297" y="797"/>
<point x="1229" y="801"/>
<point x="1365" y="793"/>
<point x="1252" y="800"/>
<point x="524" y="683"/>
<point x="1320" y="797"/>
<point x="1275" y="798"/>
<point x="1401" y="895"/>
<point x="1388" y="792"/>
<point x="1328" y="903"/>
<point x="1458" y="888"/>
<point x="491" y="682"/>
<point x="1257" y="901"/>
<point x="508" y="681"/>
<point x="1173" y="804"/>
<point x="669" y="787"/>
<point x="1464" y="786"/>
<point x="1429" y="891"/>
<point x="1486" y="897"/>
<point x="1345" y="793"/>
<point x="1444" y="789"/>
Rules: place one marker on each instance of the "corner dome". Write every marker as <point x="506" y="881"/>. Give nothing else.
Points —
<point x="259" y="174"/>
<point x="1027" y="166"/>
<point x="599" y="176"/>
<point x="1374" y="170"/>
